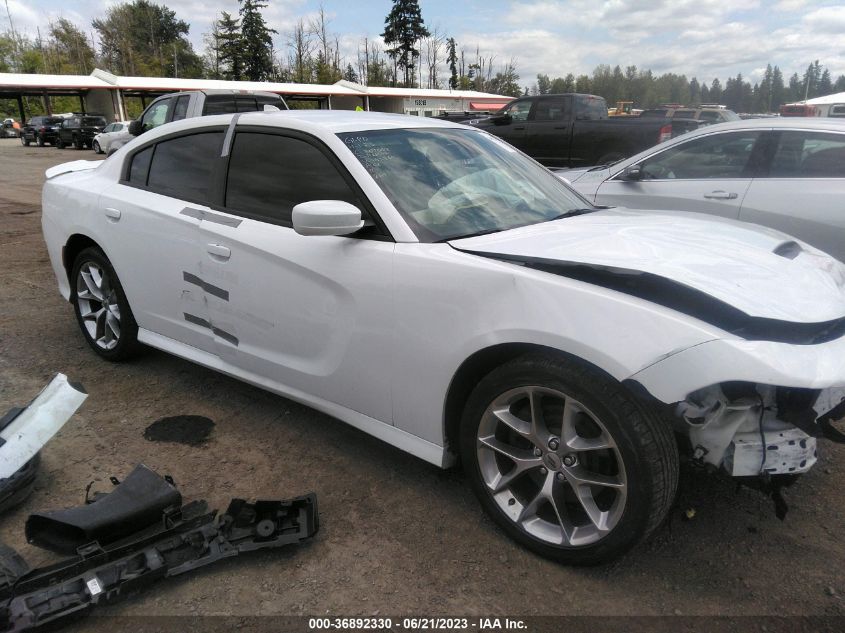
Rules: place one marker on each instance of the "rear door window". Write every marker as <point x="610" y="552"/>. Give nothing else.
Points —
<point x="245" y="104"/>
<point x="219" y="104"/>
<point x="809" y="155"/>
<point x="181" y="167"/>
<point x="552" y="109"/>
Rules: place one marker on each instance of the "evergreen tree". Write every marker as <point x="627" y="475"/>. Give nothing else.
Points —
<point x="349" y="74"/>
<point x="231" y="49"/>
<point x="716" y="91"/>
<point x="452" y="59"/>
<point x="839" y="86"/>
<point x="778" y="90"/>
<point x="403" y="28"/>
<point x="825" y="86"/>
<point x="256" y="41"/>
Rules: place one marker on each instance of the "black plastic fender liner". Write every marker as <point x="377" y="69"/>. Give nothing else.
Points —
<point x="137" y="502"/>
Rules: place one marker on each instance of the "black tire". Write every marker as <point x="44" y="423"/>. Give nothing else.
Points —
<point x="643" y="441"/>
<point x="126" y="344"/>
<point x="77" y="143"/>
<point x="97" y="149"/>
<point x="24" y="141"/>
<point x="40" y="141"/>
<point x="60" y="144"/>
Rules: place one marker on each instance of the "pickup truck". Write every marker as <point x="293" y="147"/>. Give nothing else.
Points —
<point x="193" y="103"/>
<point x="574" y="130"/>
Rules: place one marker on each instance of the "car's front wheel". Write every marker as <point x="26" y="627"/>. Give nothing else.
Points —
<point x="24" y="141"/>
<point x="60" y="144"/>
<point x="102" y="310"/>
<point x="40" y="141"/>
<point x="97" y="149"/>
<point x="566" y="461"/>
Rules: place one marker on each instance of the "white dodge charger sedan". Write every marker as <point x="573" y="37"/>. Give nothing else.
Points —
<point x="434" y="287"/>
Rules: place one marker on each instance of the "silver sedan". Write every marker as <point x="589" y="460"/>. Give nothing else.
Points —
<point x="788" y="174"/>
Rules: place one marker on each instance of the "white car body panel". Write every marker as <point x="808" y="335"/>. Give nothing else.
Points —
<point x="373" y="332"/>
<point x="808" y="208"/>
<point x="114" y="139"/>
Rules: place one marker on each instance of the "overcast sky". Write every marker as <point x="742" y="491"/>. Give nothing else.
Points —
<point x="701" y="38"/>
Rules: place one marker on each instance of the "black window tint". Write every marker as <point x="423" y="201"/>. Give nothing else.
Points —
<point x="555" y="109"/>
<point x="140" y="166"/>
<point x="715" y="156"/>
<point x="93" y="121"/>
<point x="219" y="104"/>
<point x="270" y="174"/>
<point x="245" y="104"/>
<point x="180" y="110"/>
<point x="267" y="100"/>
<point x="809" y="155"/>
<point x="182" y="166"/>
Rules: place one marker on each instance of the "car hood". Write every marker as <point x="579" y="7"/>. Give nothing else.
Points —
<point x="760" y="272"/>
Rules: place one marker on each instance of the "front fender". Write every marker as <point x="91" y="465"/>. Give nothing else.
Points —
<point x="779" y="364"/>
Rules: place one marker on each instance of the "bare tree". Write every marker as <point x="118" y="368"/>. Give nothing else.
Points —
<point x="433" y="45"/>
<point x="301" y="47"/>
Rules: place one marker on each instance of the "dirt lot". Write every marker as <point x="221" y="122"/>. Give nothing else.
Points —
<point x="399" y="537"/>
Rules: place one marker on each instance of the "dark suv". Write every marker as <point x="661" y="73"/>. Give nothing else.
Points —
<point x="79" y="130"/>
<point x="41" y="130"/>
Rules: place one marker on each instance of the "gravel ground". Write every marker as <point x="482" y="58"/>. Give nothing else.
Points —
<point x="399" y="537"/>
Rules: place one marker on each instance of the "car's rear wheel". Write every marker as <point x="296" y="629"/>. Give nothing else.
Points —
<point x="102" y="310"/>
<point x="40" y="141"/>
<point x="565" y="461"/>
<point x="24" y="141"/>
<point x="77" y="142"/>
<point x="97" y="149"/>
<point x="60" y="144"/>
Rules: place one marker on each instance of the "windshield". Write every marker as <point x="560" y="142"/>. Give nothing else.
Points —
<point x="452" y="183"/>
<point x="93" y="120"/>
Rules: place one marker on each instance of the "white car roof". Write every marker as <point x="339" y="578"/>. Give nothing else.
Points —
<point x="795" y="123"/>
<point x="335" y="121"/>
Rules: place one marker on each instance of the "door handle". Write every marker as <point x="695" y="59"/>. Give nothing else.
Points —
<point x="721" y="195"/>
<point x="218" y="251"/>
<point x="112" y="214"/>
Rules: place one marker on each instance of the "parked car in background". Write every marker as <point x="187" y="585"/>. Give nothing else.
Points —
<point x="788" y="174"/>
<point x="706" y="114"/>
<point x="42" y="130"/>
<point x="113" y="137"/>
<point x="432" y="286"/>
<point x="9" y="129"/>
<point x="79" y="130"/>
<point x="572" y="130"/>
<point x="194" y="103"/>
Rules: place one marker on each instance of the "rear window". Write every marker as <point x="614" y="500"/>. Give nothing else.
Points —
<point x="93" y="120"/>
<point x="181" y="167"/>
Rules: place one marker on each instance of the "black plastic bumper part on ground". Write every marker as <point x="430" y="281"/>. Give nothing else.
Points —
<point x="184" y="540"/>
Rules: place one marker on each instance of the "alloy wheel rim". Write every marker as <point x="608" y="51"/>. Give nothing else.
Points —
<point x="98" y="306"/>
<point x="551" y="466"/>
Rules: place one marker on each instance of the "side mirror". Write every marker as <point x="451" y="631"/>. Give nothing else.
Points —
<point x="136" y="128"/>
<point x="326" y="217"/>
<point x="634" y="173"/>
<point x="502" y="119"/>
